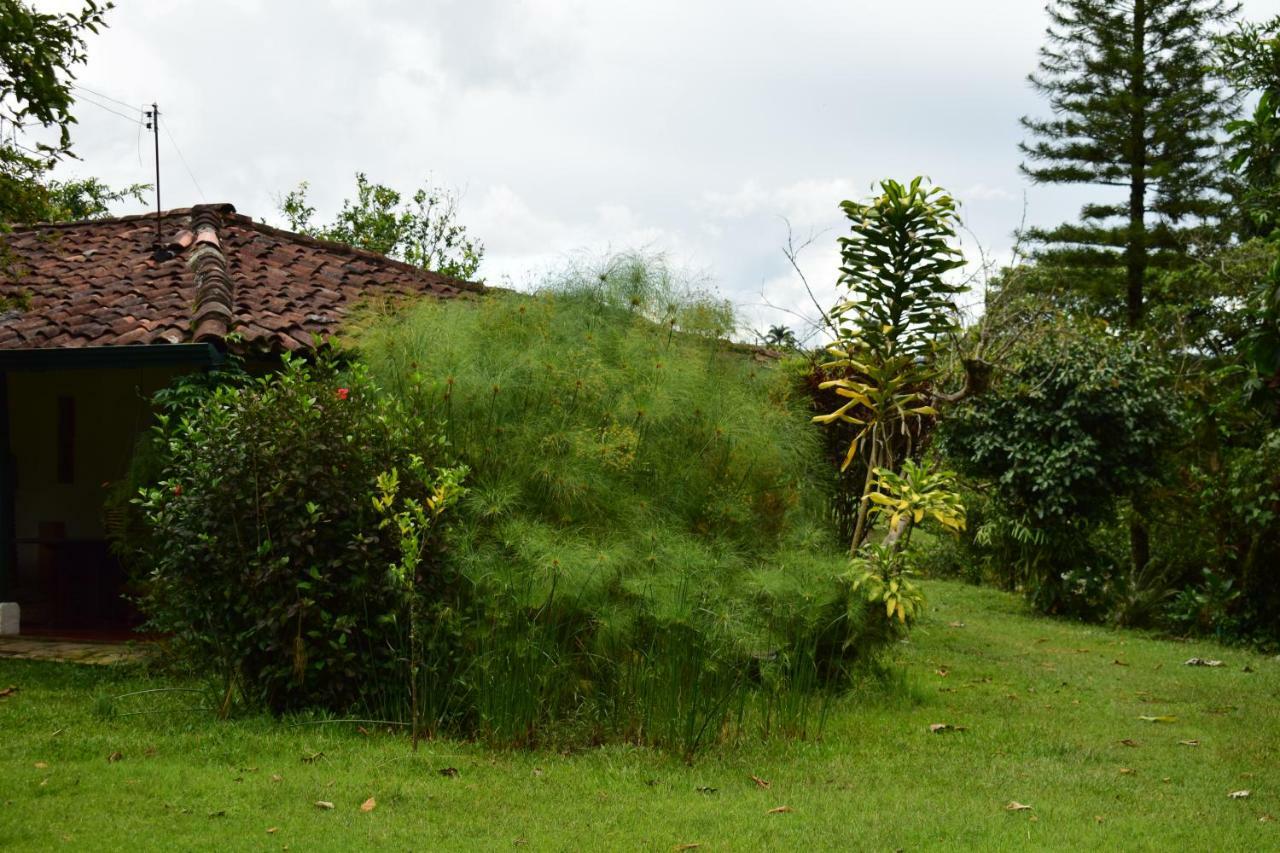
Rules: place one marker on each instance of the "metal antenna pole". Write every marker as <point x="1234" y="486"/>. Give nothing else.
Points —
<point x="153" y="124"/>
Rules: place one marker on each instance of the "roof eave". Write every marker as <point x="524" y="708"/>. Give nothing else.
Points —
<point x="126" y="356"/>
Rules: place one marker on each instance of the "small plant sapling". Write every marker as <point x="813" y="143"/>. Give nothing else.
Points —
<point x="413" y="520"/>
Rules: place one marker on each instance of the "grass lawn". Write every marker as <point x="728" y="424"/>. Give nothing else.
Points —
<point x="1051" y="714"/>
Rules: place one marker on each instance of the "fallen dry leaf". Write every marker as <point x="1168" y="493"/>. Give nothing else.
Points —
<point x="450" y="772"/>
<point x="1240" y="795"/>
<point x="1266" y="818"/>
<point x="781" y="810"/>
<point x="276" y="777"/>
<point x="942" y="672"/>
<point x="1127" y="771"/>
<point x="1118" y="662"/>
<point x="1189" y="742"/>
<point x="537" y="771"/>
<point x="324" y="804"/>
<point x="1128" y="742"/>
<point x="1163" y="718"/>
<point x="369" y="805"/>
<point x="693" y="845"/>
<point x="1202" y="662"/>
<point x="1015" y="806"/>
<point x="760" y="783"/>
<point x="41" y="765"/>
<point x="8" y="691"/>
<point x="272" y="830"/>
<point x="955" y="624"/>
<point x="942" y="728"/>
<point x="114" y="757"/>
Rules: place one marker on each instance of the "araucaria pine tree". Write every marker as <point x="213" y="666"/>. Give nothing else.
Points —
<point x="1136" y="106"/>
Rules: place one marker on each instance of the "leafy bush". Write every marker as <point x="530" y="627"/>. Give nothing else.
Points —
<point x="639" y="552"/>
<point x="1065" y="435"/>
<point x="1230" y="500"/>
<point x="266" y="561"/>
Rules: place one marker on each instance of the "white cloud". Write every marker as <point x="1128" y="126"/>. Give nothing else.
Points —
<point x="692" y="128"/>
<point x="982" y="192"/>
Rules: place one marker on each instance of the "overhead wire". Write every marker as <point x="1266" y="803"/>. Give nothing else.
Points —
<point x="117" y="101"/>
<point x="88" y="95"/>
<point x="112" y="110"/>
<point x="174" y="142"/>
<point x="16" y="144"/>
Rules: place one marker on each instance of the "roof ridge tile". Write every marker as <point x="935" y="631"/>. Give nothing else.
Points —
<point x="213" y="314"/>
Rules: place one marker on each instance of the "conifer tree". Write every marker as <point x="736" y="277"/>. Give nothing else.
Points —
<point x="1136" y="106"/>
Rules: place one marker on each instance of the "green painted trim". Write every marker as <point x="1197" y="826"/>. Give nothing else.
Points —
<point x="85" y="358"/>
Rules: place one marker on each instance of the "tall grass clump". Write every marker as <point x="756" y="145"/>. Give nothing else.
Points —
<point x="642" y="540"/>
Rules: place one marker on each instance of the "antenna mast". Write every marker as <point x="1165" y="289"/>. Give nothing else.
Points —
<point x="153" y="125"/>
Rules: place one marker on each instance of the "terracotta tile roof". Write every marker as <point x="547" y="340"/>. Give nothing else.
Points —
<point x="97" y="283"/>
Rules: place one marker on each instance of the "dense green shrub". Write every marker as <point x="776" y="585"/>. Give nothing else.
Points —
<point x="1225" y="509"/>
<point x="1071" y="429"/>
<point x="639" y="551"/>
<point x="644" y="529"/>
<point x="265" y="560"/>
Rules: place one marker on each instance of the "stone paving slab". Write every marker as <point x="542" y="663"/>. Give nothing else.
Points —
<point x="69" y="651"/>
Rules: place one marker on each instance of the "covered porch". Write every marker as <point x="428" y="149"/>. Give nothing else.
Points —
<point x="69" y="422"/>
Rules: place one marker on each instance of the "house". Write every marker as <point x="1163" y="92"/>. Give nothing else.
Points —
<point x="95" y="317"/>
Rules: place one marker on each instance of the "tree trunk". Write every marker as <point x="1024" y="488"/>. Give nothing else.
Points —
<point x="1136" y="250"/>
<point x="864" y="505"/>
<point x="1139" y="538"/>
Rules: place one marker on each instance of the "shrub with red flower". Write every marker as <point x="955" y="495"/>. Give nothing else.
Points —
<point x="275" y="580"/>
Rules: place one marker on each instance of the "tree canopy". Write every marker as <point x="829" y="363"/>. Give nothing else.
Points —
<point x="422" y="230"/>
<point x="38" y="54"/>
<point x="1136" y="108"/>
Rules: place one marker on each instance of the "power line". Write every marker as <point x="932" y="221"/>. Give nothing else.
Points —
<point x="16" y="144"/>
<point x="190" y="174"/>
<point x="87" y="90"/>
<point x="110" y="110"/>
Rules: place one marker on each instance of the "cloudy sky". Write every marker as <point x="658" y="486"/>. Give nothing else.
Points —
<point x="691" y="127"/>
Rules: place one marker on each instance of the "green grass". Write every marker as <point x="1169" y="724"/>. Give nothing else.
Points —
<point x="1045" y="706"/>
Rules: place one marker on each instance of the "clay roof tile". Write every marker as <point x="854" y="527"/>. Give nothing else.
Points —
<point x="99" y="283"/>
